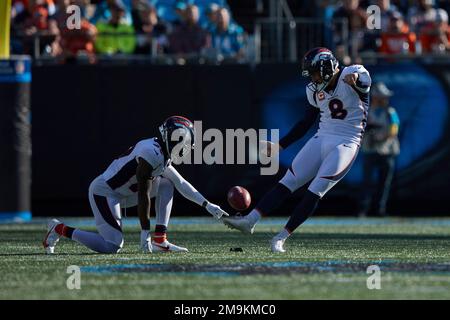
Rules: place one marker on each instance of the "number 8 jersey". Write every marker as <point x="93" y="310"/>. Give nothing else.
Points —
<point x="344" y="111"/>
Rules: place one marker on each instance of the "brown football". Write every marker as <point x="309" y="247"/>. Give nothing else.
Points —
<point x="239" y="198"/>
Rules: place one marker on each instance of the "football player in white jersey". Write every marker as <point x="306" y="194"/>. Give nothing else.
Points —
<point x="141" y="173"/>
<point x="341" y="97"/>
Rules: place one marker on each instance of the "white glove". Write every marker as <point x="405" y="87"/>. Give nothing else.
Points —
<point x="146" y="241"/>
<point x="216" y="211"/>
<point x="268" y="148"/>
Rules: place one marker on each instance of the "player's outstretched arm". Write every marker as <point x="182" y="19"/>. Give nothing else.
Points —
<point x="190" y="193"/>
<point x="270" y="149"/>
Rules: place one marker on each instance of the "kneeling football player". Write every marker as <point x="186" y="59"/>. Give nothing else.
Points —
<point x="341" y="97"/>
<point x="142" y="173"/>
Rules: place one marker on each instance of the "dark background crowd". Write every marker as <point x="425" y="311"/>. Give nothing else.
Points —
<point x="182" y="28"/>
<point x="418" y="27"/>
<point x="124" y="27"/>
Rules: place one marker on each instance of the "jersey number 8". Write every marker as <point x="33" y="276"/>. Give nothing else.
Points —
<point x="337" y="109"/>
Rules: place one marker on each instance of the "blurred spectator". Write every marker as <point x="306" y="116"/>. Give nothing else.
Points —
<point x="116" y="35"/>
<point x="226" y="39"/>
<point x="180" y="15"/>
<point x="32" y="26"/>
<point x="48" y="4"/>
<point x="147" y="26"/>
<point x="20" y="11"/>
<point x="380" y="147"/>
<point x="402" y="6"/>
<point x="421" y="15"/>
<point x="372" y="38"/>
<point x="397" y="38"/>
<point x="103" y="12"/>
<point x="435" y="36"/>
<point x="188" y="37"/>
<point x="18" y="7"/>
<point x="356" y="18"/>
<point x="353" y="13"/>
<point x="211" y="13"/>
<point x="39" y="19"/>
<point x="75" y="42"/>
<point x="387" y="9"/>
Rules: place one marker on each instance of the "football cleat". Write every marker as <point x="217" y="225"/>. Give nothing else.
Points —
<point x="166" y="246"/>
<point x="240" y="223"/>
<point x="277" y="244"/>
<point x="51" y="238"/>
<point x="146" y="247"/>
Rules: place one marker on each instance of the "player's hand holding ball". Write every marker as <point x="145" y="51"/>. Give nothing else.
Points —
<point x="268" y="148"/>
<point x="215" y="210"/>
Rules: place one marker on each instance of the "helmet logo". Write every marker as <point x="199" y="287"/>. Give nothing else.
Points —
<point x="322" y="56"/>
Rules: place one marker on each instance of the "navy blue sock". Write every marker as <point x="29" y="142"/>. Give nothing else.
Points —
<point x="303" y="211"/>
<point x="159" y="228"/>
<point x="69" y="232"/>
<point x="273" y="199"/>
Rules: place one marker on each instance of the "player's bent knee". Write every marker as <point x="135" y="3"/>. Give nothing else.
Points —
<point x="112" y="247"/>
<point x="289" y="181"/>
<point x="93" y="185"/>
<point x="321" y="186"/>
<point x="320" y="194"/>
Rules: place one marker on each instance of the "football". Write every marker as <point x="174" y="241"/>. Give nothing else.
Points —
<point x="239" y="198"/>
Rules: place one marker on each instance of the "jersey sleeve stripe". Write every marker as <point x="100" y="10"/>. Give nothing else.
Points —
<point x="363" y="95"/>
<point x="123" y="175"/>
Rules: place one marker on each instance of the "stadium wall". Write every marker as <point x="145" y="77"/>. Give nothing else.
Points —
<point x="84" y="116"/>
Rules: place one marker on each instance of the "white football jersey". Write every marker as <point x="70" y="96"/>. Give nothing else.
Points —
<point x="344" y="111"/>
<point x="120" y="176"/>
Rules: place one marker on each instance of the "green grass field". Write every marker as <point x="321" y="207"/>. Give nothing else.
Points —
<point x="326" y="259"/>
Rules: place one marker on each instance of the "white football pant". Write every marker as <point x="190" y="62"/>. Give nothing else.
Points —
<point x="325" y="160"/>
<point x="107" y="213"/>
